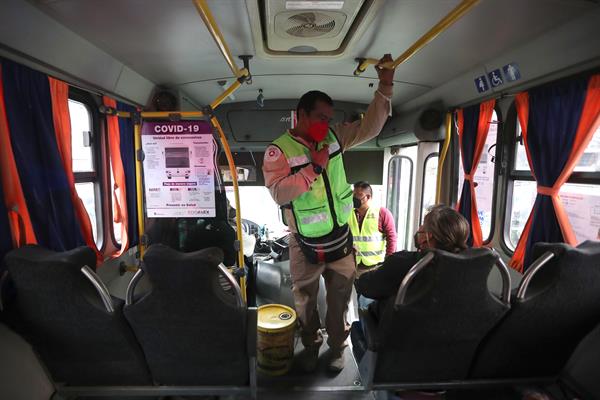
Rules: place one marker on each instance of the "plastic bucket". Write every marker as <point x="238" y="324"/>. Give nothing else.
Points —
<point x="276" y="325"/>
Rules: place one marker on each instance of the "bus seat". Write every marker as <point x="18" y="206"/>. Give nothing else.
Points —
<point x="65" y="312"/>
<point x="22" y="375"/>
<point x="192" y="331"/>
<point x="442" y="312"/>
<point x="557" y="305"/>
<point x="581" y="372"/>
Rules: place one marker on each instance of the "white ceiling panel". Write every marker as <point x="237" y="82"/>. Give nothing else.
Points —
<point x="167" y="42"/>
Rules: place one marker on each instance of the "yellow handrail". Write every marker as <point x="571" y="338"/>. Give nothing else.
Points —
<point x="454" y="15"/>
<point x="139" y="186"/>
<point x="213" y="28"/>
<point x="238" y="209"/>
<point x="438" y="194"/>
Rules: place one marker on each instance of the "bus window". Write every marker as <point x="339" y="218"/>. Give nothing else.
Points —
<point x="400" y="184"/>
<point x="485" y="177"/>
<point x="429" y="183"/>
<point x="84" y="165"/>
<point x="581" y="199"/>
<point x="259" y="207"/>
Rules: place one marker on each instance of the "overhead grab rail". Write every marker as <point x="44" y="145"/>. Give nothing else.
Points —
<point x="459" y="11"/>
<point x="241" y="75"/>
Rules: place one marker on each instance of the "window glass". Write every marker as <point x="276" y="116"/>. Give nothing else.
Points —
<point x="268" y="215"/>
<point x="400" y="174"/>
<point x="81" y="137"/>
<point x="581" y="201"/>
<point x="86" y="193"/>
<point x="484" y="179"/>
<point x="589" y="162"/>
<point x="429" y="184"/>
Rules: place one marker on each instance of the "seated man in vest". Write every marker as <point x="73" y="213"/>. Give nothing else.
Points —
<point x="373" y="230"/>
<point x="304" y="171"/>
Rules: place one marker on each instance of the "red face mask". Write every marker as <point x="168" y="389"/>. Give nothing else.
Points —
<point x="318" y="131"/>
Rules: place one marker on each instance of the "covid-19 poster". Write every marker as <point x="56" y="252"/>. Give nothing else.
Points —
<point x="178" y="169"/>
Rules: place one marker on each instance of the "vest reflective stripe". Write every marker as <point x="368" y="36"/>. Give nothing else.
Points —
<point x="370" y="253"/>
<point x="368" y="241"/>
<point x="328" y="203"/>
<point x="297" y="161"/>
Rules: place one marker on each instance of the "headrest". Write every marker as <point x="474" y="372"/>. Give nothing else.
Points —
<point x="476" y="257"/>
<point x="570" y="265"/>
<point x="35" y="256"/>
<point x="166" y="266"/>
<point x="451" y="273"/>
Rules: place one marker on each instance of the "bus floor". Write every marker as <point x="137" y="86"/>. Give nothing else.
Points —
<point x="320" y="384"/>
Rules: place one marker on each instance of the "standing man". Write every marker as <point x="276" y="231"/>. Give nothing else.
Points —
<point x="304" y="171"/>
<point x="372" y="228"/>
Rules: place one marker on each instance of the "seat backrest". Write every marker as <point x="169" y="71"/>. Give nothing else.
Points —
<point x="581" y="371"/>
<point x="20" y="364"/>
<point x="561" y="305"/>
<point x="193" y="331"/>
<point x="59" y="311"/>
<point x="447" y="311"/>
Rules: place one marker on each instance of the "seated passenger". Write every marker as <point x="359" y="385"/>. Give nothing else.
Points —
<point x="443" y="228"/>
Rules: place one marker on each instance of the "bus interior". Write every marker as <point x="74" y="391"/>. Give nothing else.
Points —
<point x="509" y="87"/>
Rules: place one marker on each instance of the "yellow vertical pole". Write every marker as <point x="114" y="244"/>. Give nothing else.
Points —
<point x="139" y="185"/>
<point x="238" y="209"/>
<point x="438" y="195"/>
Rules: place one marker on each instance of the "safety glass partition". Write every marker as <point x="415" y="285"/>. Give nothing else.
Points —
<point x="399" y="198"/>
<point x="580" y="196"/>
<point x="485" y="179"/>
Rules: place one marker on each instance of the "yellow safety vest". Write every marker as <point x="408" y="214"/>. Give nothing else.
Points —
<point x="368" y="241"/>
<point x="328" y="203"/>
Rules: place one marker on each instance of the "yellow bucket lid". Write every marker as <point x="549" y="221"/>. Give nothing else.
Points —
<point x="275" y="318"/>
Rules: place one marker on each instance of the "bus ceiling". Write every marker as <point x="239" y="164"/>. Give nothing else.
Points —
<point x="128" y="50"/>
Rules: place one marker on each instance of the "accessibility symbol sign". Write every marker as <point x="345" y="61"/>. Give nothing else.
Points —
<point x="511" y="72"/>
<point x="481" y="84"/>
<point x="495" y="78"/>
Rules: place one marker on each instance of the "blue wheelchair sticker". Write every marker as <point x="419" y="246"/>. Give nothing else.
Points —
<point x="495" y="78"/>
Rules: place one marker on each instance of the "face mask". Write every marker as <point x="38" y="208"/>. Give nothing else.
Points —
<point x="318" y="131"/>
<point x="419" y="245"/>
<point x="357" y="202"/>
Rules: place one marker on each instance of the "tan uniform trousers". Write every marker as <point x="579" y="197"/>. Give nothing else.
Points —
<point x="339" y="279"/>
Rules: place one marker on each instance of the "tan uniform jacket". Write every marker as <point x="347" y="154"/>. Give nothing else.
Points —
<point x="285" y="186"/>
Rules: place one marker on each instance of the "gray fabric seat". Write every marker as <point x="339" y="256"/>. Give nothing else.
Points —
<point x="22" y="376"/>
<point x="561" y="306"/>
<point x="433" y="334"/>
<point x="192" y="331"/>
<point x="59" y="311"/>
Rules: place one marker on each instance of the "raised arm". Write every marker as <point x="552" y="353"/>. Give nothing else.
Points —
<point x="355" y="133"/>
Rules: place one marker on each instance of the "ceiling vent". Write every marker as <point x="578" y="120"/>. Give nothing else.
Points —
<point x="281" y="27"/>
<point x="309" y="24"/>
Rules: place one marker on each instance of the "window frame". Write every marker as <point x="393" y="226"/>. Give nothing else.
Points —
<point x="589" y="178"/>
<point x="94" y="177"/>
<point x="395" y="190"/>
<point x="429" y="156"/>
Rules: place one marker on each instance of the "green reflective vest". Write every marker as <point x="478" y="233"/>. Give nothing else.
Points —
<point x="328" y="203"/>
<point x="368" y="241"/>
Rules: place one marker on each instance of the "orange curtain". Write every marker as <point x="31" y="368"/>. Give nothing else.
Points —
<point x="587" y="126"/>
<point x="18" y="214"/>
<point x="486" y="110"/>
<point x="59" y="92"/>
<point x="120" y="188"/>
